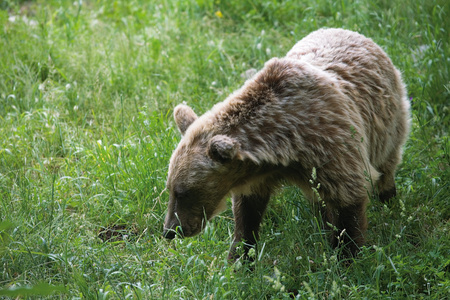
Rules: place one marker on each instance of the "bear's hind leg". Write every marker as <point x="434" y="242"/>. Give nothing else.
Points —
<point x="248" y="211"/>
<point x="386" y="183"/>
<point x="386" y="188"/>
<point x="350" y="224"/>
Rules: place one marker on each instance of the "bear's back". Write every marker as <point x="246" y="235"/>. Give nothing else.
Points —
<point x="325" y="47"/>
<point x="367" y="76"/>
<point x="349" y="57"/>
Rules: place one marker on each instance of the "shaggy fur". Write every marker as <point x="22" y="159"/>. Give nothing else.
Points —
<point x="335" y="103"/>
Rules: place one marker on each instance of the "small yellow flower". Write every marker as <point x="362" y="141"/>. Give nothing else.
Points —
<point x="219" y="14"/>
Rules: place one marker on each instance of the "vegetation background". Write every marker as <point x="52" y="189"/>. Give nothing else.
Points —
<point x="86" y="95"/>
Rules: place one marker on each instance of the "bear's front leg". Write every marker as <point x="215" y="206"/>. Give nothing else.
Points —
<point x="248" y="211"/>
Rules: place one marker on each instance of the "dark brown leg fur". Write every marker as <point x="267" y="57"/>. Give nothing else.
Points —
<point x="386" y="195"/>
<point x="349" y="225"/>
<point x="385" y="186"/>
<point x="248" y="212"/>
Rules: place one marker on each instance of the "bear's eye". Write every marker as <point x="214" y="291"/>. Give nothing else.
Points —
<point x="180" y="193"/>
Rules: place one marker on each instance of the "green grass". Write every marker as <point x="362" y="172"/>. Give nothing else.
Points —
<point x="86" y="95"/>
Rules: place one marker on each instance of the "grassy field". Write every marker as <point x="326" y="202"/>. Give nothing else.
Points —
<point x="87" y="90"/>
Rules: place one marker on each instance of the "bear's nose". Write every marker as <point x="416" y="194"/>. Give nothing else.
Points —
<point x="169" y="234"/>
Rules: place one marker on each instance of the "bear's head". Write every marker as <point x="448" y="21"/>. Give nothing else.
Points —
<point x="202" y="171"/>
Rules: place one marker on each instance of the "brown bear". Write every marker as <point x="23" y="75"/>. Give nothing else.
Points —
<point x="335" y="104"/>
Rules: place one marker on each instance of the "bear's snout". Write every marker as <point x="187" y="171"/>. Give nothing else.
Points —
<point x="182" y="227"/>
<point x="172" y="228"/>
<point x="169" y="233"/>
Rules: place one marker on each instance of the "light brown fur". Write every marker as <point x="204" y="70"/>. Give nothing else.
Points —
<point x="335" y="103"/>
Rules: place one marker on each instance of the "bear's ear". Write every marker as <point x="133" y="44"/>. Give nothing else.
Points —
<point x="222" y="148"/>
<point x="184" y="116"/>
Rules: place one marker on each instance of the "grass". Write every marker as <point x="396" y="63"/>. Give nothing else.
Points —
<point x="86" y="95"/>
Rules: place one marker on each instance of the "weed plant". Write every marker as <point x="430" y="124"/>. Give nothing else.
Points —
<point x="87" y="90"/>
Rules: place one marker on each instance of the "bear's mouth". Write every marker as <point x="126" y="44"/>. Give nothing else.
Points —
<point x="189" y="228"/>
